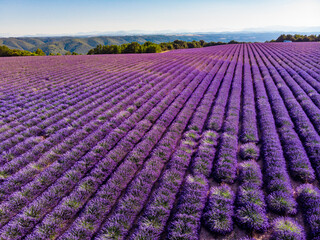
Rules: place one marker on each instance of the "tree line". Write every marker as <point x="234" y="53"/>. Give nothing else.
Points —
<point x="297" y="38"/>
<point x="8" y="52"/>
<point x="150" y="47"/>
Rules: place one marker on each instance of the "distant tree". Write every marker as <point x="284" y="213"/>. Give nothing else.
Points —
<point x="192" y="44"/>
<point x="133" y="47"/>
<point x="313" y="38"/>
<point x="58" y="54"/>
<point x="39" y="52"/>
<point x="68" y="53"/>
<point x="166" y="46"/>
<point x="179" y="44"/>
<point x="4" y="51"/>
<point x="147" y="43"/>
<point x="233" y="42"/>
<point x="98" y="49"/>
<point x="150" y="47"/>
<point x="297" y="38"/>
<point x="91" y="51"/>
<point x="289" y="37"/>
<point x="74" y="53"/>
<point x="7" y="52"/>
<point x="153" y="48"/>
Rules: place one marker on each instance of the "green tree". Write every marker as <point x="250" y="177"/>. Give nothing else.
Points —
<point x="153" y="48"/>
<point x="39" y="52"/>
<point x="179" y="44"/>
<point x="148" y="43"/>
<point x="281" y="38"/>
<point x="4" y="51"/>
<point x="233" y="42"/>
<point x="133" y="47"/>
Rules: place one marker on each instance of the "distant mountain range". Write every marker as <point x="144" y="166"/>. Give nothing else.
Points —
<point x="82" y="44"/>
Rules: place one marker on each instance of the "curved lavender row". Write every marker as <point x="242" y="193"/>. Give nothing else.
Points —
<point x="224" y="169"/>
<point x="152" y="222"/>
<point x="208" y="76"/>
<point x="108" y="104"/>
<point x="34" y="97"/>
<point x="303" y="126"/>
<point x="154" y="217"/>
<point x="63" y="122"/>
<point x="98" y="81"/>
<point x="106" y="117"/>
<point x="81" y="67"/>
<point x="193" y="203"/>
<point x="299" y="164"/>
<point x="125" y="209"/>
<point x="203" y="160"/>
<point x="309" y="49"/>
<point x="177" y="166"/>
<point x="216" y="119"/>
<point x="249" y="151"/>
<point x="186" y="221"/>
<point x="128" y="66"/>
<point x="301" y="60"/>
<point x="287" y="228"/>
<point x="73" y="85"/>
<point x="190" y="75"/>
<point x="87" y="79"/>
<point x="304" y="62"/>
<point x="113" y="94"/>
<point x="47" y="171"/>
<point x="280" y="197"/>
<point x="309" y="202"/>
<point x="289" y="88"/>
<point x="218" y="213"/>
<point x="231" y="123"/>
<point x="249" y="131"/>
<point x="281" y="76"/>
<point x="110" y="83"/>
<point x="298" y="72"/>
<point x="134" y="137"/>
<point x="251" y="208"/>
<point x="66" y="112"/>
<point x="198" y="120"/>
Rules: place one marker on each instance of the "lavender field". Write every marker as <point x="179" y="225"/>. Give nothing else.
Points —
<point x="211" y="143"/>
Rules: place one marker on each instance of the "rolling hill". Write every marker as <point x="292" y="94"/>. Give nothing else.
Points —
<point x="85" y="43"/>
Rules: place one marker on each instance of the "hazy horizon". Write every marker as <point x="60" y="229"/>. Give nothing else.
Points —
<point x="47" y="18"/>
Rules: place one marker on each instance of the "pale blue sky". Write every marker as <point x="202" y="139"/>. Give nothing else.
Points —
<point x="31" y="17"/>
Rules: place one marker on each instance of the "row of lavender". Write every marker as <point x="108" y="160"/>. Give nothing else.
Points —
<point x="127" y="150"/>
